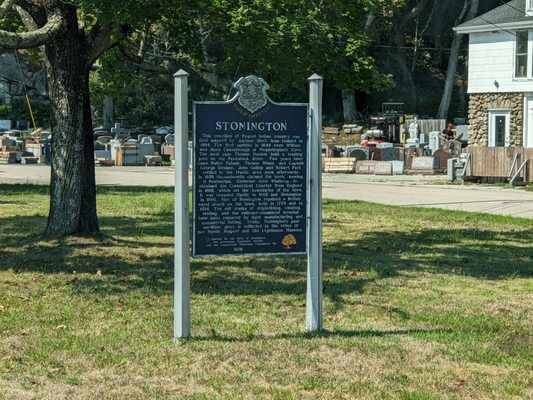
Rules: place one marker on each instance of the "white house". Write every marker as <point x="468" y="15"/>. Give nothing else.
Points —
<point x="500" y="75"/>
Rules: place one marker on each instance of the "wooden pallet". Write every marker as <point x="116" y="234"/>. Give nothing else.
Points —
<point x="8" y="157"/>
<point x="9" y="148"/>
<point x="339" y="165"/>
<point x="125" y="154"/>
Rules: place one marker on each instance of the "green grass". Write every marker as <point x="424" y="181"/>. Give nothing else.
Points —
<point x="418" y="304"/>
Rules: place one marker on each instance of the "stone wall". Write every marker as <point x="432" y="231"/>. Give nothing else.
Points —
<point x="478" y="114"/>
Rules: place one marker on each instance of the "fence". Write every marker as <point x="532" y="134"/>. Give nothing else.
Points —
<point x="500" y="162"/>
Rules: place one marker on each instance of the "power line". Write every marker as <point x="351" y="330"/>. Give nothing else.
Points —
<point x="508" y="4"/>
<point x="449" y="48"/>
<point x="412" y="47"/>
<point x="499" y="27"/>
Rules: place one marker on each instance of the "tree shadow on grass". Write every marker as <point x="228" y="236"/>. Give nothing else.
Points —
<point x="324" y="334"/>
<point x="142" y="247"/>
<point x="476" y="253"/>
<point x="161" y="225"/>
<point x="107" y="189"/>
<point x="132" y="258"/>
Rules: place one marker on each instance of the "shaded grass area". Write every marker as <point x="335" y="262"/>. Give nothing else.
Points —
<point x="418" y="304"/>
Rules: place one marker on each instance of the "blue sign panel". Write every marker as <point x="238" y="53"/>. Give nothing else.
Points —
<point x="250" y="179"/>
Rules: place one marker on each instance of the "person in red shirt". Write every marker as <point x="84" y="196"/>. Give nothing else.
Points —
<point x="448" y="133"/>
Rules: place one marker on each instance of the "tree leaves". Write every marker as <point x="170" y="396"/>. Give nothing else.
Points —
<point x="325" y="37"/>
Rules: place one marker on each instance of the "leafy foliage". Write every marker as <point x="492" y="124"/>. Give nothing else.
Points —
<point x="141" y="97"/>
<point x="17" y="110"/>
<point x="286" y="41"/>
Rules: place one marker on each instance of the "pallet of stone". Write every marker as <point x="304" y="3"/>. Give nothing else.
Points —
<point x="366" y="167"/>
<point x="8" y="157"/>
<point x="9" y="148"/>
<point x="331" y="130"/>
<point x="398" y="167"/>
<point x="105" y="162"/>
<point x="168" y="150"/>
<point x="408" y="154"/>
<point x="154" y="160"/>
<point x="127" y="155"/>
<point x="27" y="160"/>
<point x="383" y="168"/>
<point x="424" y="165"/>
<point x="338" y="164"/>
<point x="351" y="128"/>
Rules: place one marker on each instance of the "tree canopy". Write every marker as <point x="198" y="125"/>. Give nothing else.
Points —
<point x="129" y="50"/>
<point x="73" y="36"/>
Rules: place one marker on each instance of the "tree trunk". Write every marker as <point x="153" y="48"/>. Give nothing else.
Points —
<point x="400" y="26"/>
<point x="72" y="187"/>
<point x="348" y="105"/>
<point x="454" y="58"/>
<point x="108" y="112"/>
<point x="450" y="77"/>
<point x="405" y="71"/>
<point x="463" y="95"/>
<point x="88" y="220"/>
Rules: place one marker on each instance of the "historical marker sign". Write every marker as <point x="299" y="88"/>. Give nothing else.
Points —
<point x="250" y="174"/>
<point x="257" y="185"/>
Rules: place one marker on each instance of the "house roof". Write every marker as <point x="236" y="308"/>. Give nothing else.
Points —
<point x="511" y="15"/>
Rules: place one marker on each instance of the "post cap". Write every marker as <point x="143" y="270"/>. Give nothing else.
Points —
<point x="315" y="77"/>
<point x="181" y="73"/>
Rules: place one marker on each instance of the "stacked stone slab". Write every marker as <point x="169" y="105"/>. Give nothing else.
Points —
<point x="8" y="157"/>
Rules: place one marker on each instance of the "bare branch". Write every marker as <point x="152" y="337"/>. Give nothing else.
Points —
<point x="413" y="13"/>
<point x="144" y="38"/>
<point x="5" y="7"/>
<point x="55" y="25"/>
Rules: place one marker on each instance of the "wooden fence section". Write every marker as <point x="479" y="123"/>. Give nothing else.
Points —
<point x="498" y="161"/>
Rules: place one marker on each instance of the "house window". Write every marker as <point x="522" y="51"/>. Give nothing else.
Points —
<point x="521" y="54"/>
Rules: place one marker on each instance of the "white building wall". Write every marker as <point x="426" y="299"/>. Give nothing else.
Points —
<point x="491" y="64"/>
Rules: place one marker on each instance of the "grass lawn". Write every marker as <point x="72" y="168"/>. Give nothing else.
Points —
<point x="418" y="304"/>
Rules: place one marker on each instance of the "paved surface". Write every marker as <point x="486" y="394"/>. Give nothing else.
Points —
<point x="419" y="191"/>
<point x="430" y="192"/>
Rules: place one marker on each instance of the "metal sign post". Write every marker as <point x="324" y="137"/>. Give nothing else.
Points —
<point x="313" y="315"/>
<point x="257" y="184"/>
<point x="182" y="314"/>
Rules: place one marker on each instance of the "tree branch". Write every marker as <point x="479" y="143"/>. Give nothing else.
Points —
<point x="130" y="55"/>
<point x="38" y="14"/>
<point x="55" y="25"/>
<point x="99" y="42"/>
<point x="413" y="13"/>
<point x="5" y="7"/>
<point x="27" y="19"/>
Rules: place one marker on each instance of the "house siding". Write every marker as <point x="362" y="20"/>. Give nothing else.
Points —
<point x="491" y="64"/>
<point x="479" y="107"/>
